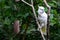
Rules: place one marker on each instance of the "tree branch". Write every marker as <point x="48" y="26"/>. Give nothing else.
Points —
<point x="46" y="3"/>
<point x="38" y="23"/>
<point x="35" y="16"/>
<point x="48" y="22"/>
<point x="26" y="3"/>
<point x="31" y="2"/>
<point x="49" y="7"/>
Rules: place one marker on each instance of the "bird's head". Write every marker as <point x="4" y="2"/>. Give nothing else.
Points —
<point x="40" y="9"/>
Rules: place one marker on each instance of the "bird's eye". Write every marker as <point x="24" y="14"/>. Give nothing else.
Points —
<point x="41" y="9"/>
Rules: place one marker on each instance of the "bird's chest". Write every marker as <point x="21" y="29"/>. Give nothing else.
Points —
<point x="42" y="18"/>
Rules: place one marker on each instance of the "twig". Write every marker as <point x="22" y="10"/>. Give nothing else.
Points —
<point x="35" y="16"/>
<point x="49" y="8"/>
<point x="25" y="31"/>
<point x="26" y="3"/>
<point x="48" y="22"/>
<point x="46" y="3"/>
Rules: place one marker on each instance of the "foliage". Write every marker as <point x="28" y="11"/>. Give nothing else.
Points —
<point x="11" y="10"/>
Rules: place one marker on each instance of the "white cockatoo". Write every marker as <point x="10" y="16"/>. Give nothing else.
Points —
<point x="42" y="18"/>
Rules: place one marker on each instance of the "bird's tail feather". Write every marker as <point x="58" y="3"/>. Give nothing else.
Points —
<point x="44" y="30"/>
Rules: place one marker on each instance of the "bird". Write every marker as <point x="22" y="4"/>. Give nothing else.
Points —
<point x="42" y="18"/>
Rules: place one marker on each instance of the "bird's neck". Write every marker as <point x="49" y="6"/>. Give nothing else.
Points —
<point x="40" y="14"/>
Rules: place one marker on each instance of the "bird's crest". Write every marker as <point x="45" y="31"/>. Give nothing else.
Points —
<point x="40" y="7"/>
